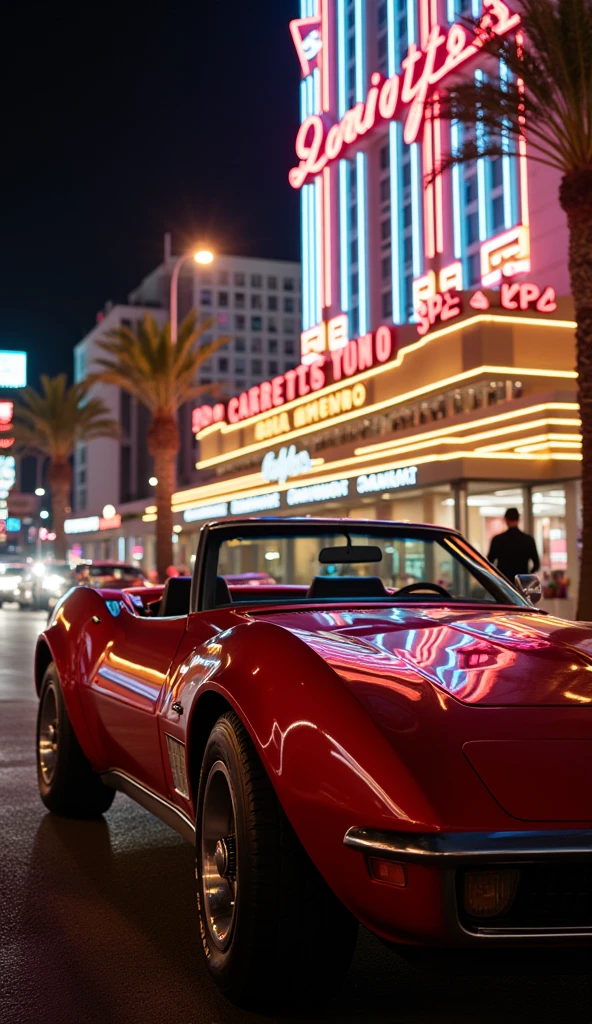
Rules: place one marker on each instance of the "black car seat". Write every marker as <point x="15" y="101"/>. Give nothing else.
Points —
<point x="176" y="597"/>
<point x="347" y="586"/>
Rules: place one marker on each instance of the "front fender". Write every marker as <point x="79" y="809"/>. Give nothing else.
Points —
<point x="329" y="764"/>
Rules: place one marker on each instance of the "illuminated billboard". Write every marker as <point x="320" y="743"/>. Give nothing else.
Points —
<point x="13" y="369"/>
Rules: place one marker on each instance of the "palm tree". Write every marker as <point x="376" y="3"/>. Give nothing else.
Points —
<point x="52" y="422"/>
<point x="163" y="376"/>
<point x="546" y="98"/>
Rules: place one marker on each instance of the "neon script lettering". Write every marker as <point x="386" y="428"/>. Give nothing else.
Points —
<point x="318" y="144"/>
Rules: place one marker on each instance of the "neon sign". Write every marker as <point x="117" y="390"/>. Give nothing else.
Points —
<point x="390" y="480"/>
<point x="306" y="33"/>
<point x="445" y="306"/>
<point x="354" y="357"/>
<point x="287" y="463"/>
<point x="217" y="511"/>
<point x="13" y="369"/>
<point x="86" y="524"/>
<point x="398" y="97"/>
<point x="328" y="491"/>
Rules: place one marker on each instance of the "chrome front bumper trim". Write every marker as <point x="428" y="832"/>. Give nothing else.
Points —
<point x="464" y="847"/>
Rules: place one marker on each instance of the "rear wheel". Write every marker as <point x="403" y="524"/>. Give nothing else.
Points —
<point x="67" y="784"/>
<point x="272" y="931"/>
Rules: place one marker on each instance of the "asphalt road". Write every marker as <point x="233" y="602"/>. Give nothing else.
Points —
<point x="97" y="921"/>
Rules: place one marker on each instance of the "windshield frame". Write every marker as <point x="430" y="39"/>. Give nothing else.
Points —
<point x="214" y="535"/>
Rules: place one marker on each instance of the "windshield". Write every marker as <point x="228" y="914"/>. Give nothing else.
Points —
<point x="360" y="562"/>
<point x="126" y="573"/>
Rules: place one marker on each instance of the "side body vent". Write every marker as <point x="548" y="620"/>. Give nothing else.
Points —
<point x="176" y="751"/>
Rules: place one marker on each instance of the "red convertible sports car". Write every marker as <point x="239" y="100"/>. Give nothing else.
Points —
<point x="342" y="746"/>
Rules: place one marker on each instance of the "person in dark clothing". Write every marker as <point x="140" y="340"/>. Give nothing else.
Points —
<point x="514" y="552"/>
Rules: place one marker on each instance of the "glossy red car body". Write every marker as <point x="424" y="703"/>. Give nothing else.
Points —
<point x="445" y="737"/>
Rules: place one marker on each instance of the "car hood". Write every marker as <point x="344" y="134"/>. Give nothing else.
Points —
<point x="500" y="657"/>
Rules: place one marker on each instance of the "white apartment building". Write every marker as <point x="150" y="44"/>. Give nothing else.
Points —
<point x="256" y="302"/>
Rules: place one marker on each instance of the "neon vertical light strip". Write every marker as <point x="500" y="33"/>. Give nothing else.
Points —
<point x="525" y="213"/>
<point x="438" y="188"/>
<point x="361" y="162"/>
<point x="325" y="58"/>
<point x="341" y="58"/>
<point x="344" y="178"/>
<point x="318" y="203"/>
<point x="416" y="208"/>
<point x="306" y="284"/>
<point x="481" y="175"/>
<point x="477" y="6"/>
<point x="411" y="26"/>
<point x="506" y="167"/>
<point x="424" y="22"/>
<point x="450" y="10"/>
<point x="394" y="163"/>
<point x="457" y="203"/>
<point x="428" y="188"/>
<point x="361" y="170"/>
<point x="327" y="254"/>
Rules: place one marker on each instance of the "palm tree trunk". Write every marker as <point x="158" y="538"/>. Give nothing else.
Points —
<point x="164" y="470"/>
<point x="163" y="445"/>
<point x="59" y="478"/>
<point x="576" y="199"/>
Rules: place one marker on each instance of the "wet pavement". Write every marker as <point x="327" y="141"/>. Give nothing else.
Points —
<point x="97" y="922"/>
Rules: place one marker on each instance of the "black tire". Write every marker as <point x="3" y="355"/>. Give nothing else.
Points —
<point x="67" y="784"/>
<point x="288" y="941"/>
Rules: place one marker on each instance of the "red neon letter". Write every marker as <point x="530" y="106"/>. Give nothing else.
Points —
<point x="254" y="407"/>
<point x="233" y="416"/>
<point x="290" y="378"/>
<point x="277" y="391"/>
<point x="508" y="294"/>
<point x="308" y="147"/>
<point x="389" y="98"/>
<point x="350" y="359"/>
<point x="547" y="303"/>
<point x="265" y="396"/>
<point x="528" y="293"/>
<point x="365" y="352"/>
<point x="303" y="387"/>
<point x="383" y="343"/>
<point x="317" y="375"/>
<point x="336" y="357"/>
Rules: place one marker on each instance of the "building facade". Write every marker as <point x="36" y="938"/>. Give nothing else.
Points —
<point x="437" y="378"/>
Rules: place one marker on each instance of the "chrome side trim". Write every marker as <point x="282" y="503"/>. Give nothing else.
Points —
<point x="462" y="847"/>
<point x="157" y="805"/>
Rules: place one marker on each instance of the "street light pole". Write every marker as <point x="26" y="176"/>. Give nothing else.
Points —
<point x="204" y="257"/>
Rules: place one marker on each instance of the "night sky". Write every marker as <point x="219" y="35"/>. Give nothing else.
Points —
<point x="121" y="122"/>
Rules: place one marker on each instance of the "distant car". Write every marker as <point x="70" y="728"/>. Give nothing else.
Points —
<point x="114" y="575"/>
<point x="250" y="579"/>
<point x="52" y="581"/>
<point x="17" y="585"/>
<point x="340" y="748"/>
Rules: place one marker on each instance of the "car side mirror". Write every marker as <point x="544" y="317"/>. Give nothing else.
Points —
<point x="530" y="586"/>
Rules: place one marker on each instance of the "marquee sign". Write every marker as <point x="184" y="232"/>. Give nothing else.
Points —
<point x="286" y="464"/>
<point x="341" y="363"/>
<point x="403" y="96"/>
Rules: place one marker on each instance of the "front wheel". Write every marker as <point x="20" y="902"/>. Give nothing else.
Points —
<point x="67" y="784"/>
<point x="272" y="931"/>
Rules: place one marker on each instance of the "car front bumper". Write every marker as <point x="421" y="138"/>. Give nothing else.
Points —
<point x="553" y="905"/>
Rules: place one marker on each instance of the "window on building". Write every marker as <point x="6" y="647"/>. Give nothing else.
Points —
<point x="407" y="250"/>
<point x="289" y="327"/>
<point x="206" y="278"/>
<point x="497" y="173"/>
<point x="385" y="191"/>
<point x="239" y="300"/>
<point x="240" y="345"/>
<point x="381" y="13"/>
<point x="289" y="348"/>
<point x="223" y="299"/>
<point x="256" y="323"/>
<point x="223" y="365"/>
<point x="256" y="281"/>
<point x="384" y="158"/>
<point x="272" y="302"/>
<point x="272" y="324"/>
<point x="381" y="47"/>
<point x="407" y="215"/>
<point x="474" y="263"/>
<point x="288" y="305"/>
<point x="256" y="301"/>
<point x="385" y="268"/>
<point x="240" y="385"/>
<point x="289" y="284"/>
<point x="387" y="305"/>
<point x="353" y="251"/>
<point x="406" y="174"/>
<point x="125" y="415"/>
<point x="239" y="280"/>
<point x="256" y="345"/>
<point x="239" y="366"/>
<point x="223" y="277"/>
<point x="256" y="367"/>
<point x="272" y="283"/>
<point x="385" y="230"/>
<point x="498" y="213"/>
<point x="206" y="297"/>
<point x="273" y="367"/>
<point x="472" y="228"/>
<point x="272" y="346"/>
<point x="471" y="189"/>
<point x="240" y="322"/>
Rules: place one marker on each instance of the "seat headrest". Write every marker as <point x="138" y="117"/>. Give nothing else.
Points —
<point x="347" y="586"/>
<point x="176" y="597"/>
<point x="222" y="592"/>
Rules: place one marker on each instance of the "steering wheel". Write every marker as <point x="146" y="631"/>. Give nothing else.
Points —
<point x="412" y="588"/>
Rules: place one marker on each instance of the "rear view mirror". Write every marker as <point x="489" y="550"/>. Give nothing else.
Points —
<point x="350" y="554"/>
<point x="530" y="586"/>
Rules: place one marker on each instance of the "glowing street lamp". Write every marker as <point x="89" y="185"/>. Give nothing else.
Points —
<point x="40" y="491"/>
<point x="204" y="257"/>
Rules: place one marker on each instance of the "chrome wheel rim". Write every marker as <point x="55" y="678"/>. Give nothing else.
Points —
<point x="48" y="735"/>
<point x="219" y="867"/>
